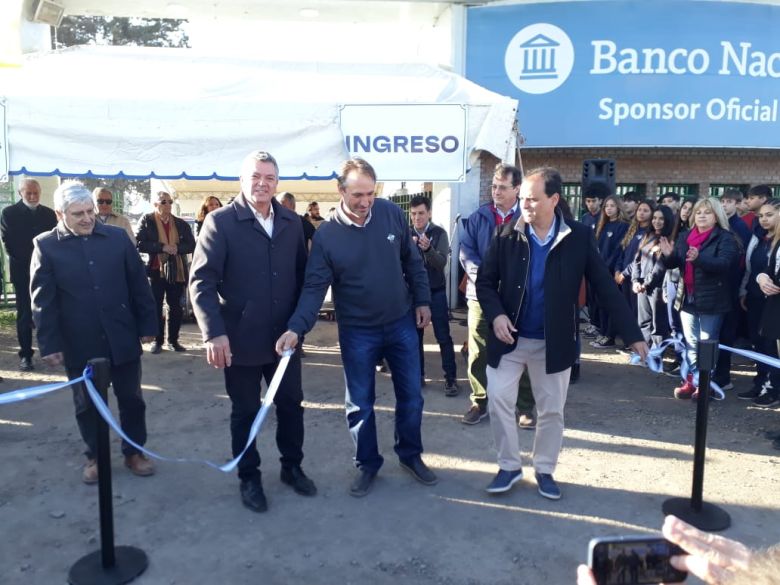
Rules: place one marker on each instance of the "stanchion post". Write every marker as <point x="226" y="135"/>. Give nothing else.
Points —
<point x="695" y="511"/>
<point x="110" y="565"/>
<point x="101" y="378"/>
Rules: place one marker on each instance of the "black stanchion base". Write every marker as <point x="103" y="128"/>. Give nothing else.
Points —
<point x="711" y="518"/>
<point x="88" y="570"/>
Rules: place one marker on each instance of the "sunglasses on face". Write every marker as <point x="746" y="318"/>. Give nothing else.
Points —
<point x="164" y="202"/>
<point x="104" y="201"/>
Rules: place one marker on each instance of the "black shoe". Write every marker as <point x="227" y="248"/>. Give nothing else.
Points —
<point x="26" y="365"/>
<point x="252" y="495"/>
<point x="751" y="394"/>
<point x="772" y="435"/>
<point x="155" y="348"/>
<point x="776" y="444"/>
<point x="295" y="477"/>
<point x="419" y="470"/>
<point x="362" y="484"/>
<point x="575" y="374"/>
<point x="176" y="346"/>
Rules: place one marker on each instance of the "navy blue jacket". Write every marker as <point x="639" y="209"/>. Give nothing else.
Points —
<point x="625" y="263"/>
<point x="18" y="226"/>
<point x="90" y="296"/>
<point x="609" y="242"/>
<point x="502" y="278"/>
<point x="741" y="230"/>
<point x="376" y="271"/>
<point x="244" y="284"/>
<point x="474" y="242"/>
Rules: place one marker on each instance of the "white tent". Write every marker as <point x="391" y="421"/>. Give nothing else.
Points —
<point x="173" y="113"/>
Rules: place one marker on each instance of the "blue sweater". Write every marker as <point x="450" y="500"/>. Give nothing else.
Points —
<point x="376" y="271"/>
<point x="531" y="322"/>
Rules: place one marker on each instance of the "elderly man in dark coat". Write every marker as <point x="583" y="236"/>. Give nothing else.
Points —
<point x="91" y="299"/>
<point x="19" y="224"/>
<point x="247" y="274"/>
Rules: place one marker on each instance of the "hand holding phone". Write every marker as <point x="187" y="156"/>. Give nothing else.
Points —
<point x="634" y="560"/>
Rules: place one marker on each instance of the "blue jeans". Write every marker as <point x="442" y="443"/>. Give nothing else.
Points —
<point x="440" y="319"/>
<point x="698" y="327"/>
<point x="361" y="348"/>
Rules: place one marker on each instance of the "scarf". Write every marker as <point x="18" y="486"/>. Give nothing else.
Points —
<point x="695" y="239"/>
<point x="171" y="267"/>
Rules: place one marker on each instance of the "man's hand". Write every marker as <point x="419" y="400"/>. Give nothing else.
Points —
<point x="288" y="340"/>
<point x="766" y="285"/>
<point x="637" y="288"/>
<point x="422" y="316"/>
<point x="53" y="359"/>
<point x="503" y="329"/>
<point x="147" y="339"/>
<point x="641" y="348"/>
<point x="218" y="352"/>
<point x="619" y="278"/>
<point x="423" y="242"/>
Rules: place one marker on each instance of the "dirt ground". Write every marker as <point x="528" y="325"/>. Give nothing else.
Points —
<point x="627" y="448"/>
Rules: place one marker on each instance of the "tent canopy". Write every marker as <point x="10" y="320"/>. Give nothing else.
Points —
<point x="179" y="113"/>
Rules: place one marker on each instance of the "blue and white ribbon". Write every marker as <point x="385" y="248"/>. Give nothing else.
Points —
<point x="105" y="412"/>
<point x="27" y="393"/>
<point x="654" y="360"/>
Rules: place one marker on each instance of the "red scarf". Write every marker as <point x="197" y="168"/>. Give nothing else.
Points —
<point x="695" y="240"/>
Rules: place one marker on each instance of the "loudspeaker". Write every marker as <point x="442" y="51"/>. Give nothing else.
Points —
<point x="598" y="177"/>
<point x="49" y="12"/>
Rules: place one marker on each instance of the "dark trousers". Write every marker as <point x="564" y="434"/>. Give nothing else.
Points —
<point x="652" y="316"/>
<point x="24" y="320"/>
<point x="728" y="335"/>
<point x="126" y="381"/>
<point x="243" y="387"/>
<point x="755" y="308"/>
<point x="170" y="292"/>
<point x="361" y="348"/>
<point x="440" y="319"/>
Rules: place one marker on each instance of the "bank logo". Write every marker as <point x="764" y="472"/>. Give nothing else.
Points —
<point x="539" y="58"/>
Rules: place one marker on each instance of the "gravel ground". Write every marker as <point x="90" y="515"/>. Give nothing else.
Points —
<point x="628" y="447"/>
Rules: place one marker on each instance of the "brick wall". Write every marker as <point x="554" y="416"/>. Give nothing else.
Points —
<point x="662" y="165"/>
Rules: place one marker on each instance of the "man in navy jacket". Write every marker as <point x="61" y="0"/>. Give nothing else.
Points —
<point x="91" y="299"/>
<point x="380" y="290"/>
<point x="528" y="285"/>
<point x="247" y="273"/>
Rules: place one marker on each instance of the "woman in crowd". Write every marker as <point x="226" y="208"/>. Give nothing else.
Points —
<point x="629" y="246"/>
<point x="209" y="204"/>
<point x="752" y="298"/>
<point x="705" y="256"/>
<point x="610" y="229"/>
<point x="647" y="277"/>
<point x="769" y="282"/>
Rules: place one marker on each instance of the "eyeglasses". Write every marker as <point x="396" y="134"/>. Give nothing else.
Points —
<point x="164" y="202"/>
<point x="104" y="201"/>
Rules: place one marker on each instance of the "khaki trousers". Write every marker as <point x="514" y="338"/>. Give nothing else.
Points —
<point x="549" y="391"/>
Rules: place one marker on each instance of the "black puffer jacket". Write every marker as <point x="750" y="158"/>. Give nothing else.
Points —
<point x="713" y="291"/>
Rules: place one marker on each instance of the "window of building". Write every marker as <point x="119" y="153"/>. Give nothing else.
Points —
<point x="717" y="190"/>
<point x="623" y="188"/>
<point x="572" y="192"/>
<point x="682" y="189"/>
<point x="775" y="190"/>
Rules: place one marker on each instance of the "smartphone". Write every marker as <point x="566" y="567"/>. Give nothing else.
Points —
<point x="633" y="560"/>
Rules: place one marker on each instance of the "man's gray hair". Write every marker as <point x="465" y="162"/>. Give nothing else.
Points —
<point x="70" y="192"/>
<point x="27" y="181"/>
<point x="257" y="156"/>
<point x="286" y="196"/>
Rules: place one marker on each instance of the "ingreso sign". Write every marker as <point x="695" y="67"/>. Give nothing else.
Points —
<point x="408" y="142"/>
<point x="623" y="73"/>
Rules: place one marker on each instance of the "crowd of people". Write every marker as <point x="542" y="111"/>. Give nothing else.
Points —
<point x="699" y="268"/>
<point x="646" y="270"/>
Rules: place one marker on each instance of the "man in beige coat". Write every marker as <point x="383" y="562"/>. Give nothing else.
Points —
<point x="104" y="200"/>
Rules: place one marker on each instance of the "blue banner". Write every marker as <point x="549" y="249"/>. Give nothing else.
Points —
<point x="633" y="73"/>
